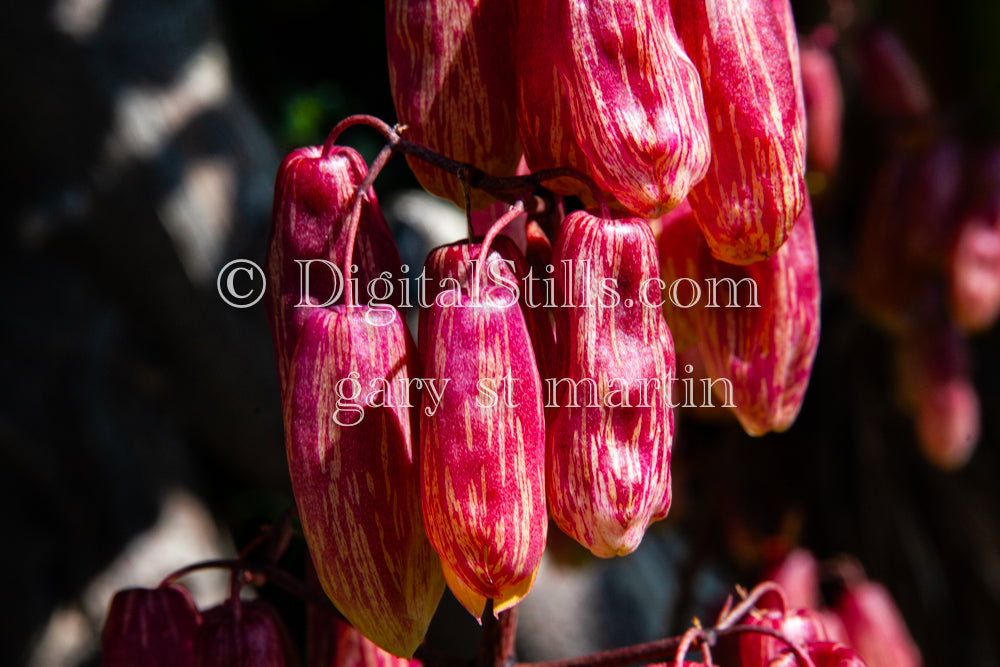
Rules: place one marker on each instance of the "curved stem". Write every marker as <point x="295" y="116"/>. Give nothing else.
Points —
<point x="503" y="188"/>
<point x="355" y="219"/>
<point x="686" y="641"/>
<point x="484" y="248"/>
<point x="270" y="571"/>
<point x="753" y="597"/>
<point x="706" y="650"/>
<point x="351" y="121"/>
<point x="660" y="649"/>
<point x="800" y="655"/>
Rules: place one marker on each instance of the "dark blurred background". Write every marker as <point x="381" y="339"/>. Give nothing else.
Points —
<point x="140" y="424"/>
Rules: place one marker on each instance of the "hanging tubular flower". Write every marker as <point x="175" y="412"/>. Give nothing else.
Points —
<point x="482" y="440"/>
<point x="747" y="55"/>
<point x="824" y="101"/>
<point x="453" y="86"/>
<point x="313" y="193"/>
<point x="758" y="338"/>
<point x="606" y="88"/>
<point x="609" y="436"/>
<point x="244" y="633"/>
<point x="875" y="627"/>
<point x="355" y="471"/>
<point x="150" y="627"/>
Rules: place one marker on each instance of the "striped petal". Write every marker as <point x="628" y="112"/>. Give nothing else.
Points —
<point x="746" y="53"/>
<point x="483" y="450"/>
<point x="312" y="201"/>
<point x="609" y="438"/>
<point x="355" y="472"/>
<point x="757" y="326"/>
<point x="453" y="86"/>
<point x="607" y="89"/>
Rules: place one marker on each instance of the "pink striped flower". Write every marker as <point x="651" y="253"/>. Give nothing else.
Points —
<point x="606" y="88"/>
<point x="483" y="446"/>
<point x="754" y="190"/>
<point x="609" y="436"/>
<point x="453" y="86"/>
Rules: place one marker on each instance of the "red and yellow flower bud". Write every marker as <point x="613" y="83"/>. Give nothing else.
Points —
<point x="355" y="471"/>
<point x="453" y="86"/>
<point x="606" y="88"/>
<point x="313" y="195"/>
<point x="483" y="447"/>
<point x="822" y="654"/>
<point x="244" y="633"/>
<point x="151" y="627"/>
<point x="758" y="336"/>
<point x="748" y="202"/>
<point x="609" y="436"/>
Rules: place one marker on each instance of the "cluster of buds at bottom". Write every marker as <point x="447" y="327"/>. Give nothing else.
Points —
<point x="862" y="615"/>
<point x="758" y="338"/>
<point x="762" y="631"/>
<point x="622" y="91"/>
<point x="162" y="626"/>
<point x="801" y="626"/>
<point x="150" y="627"/>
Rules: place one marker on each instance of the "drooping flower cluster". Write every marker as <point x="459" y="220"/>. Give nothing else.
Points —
<point x="415" y="465"/>
<point x="862" y="615"/>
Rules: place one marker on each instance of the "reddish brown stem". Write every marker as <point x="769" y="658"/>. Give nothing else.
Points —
<point x="355" y="219"/>
<point x="506" y="188"/>
<point x="661" y="649"/>
<point x="484" y="248"/>
<point x="270" y="571"/>
<point x="497" y="646"/>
